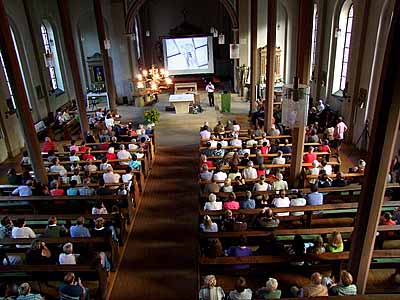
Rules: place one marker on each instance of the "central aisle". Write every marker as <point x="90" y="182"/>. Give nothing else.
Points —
<point x="160" y="259"/>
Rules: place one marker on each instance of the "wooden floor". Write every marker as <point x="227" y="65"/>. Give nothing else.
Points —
<point x="160" y="259"/>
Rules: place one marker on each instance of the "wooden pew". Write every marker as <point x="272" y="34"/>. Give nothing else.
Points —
<point x="57" y="272"/>
<point x="201" y="148"/>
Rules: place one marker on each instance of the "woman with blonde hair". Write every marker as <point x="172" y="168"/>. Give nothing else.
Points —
<point x="318" y="247"/>
<point x="345" y="286"/>
<point x="227" y="188"/>
<point x="335" y="243"/>
<point x="270" y="291"/>
<point x="210" y="290"/>
<point x="208" y="225"/>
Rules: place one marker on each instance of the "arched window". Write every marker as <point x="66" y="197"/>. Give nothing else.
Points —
<point x="51" y="55"/>
<point x="343" y="35"/>
<point x="137" y="38"/>
<point x="11" y="99"/>
<point x="314" y="43"/>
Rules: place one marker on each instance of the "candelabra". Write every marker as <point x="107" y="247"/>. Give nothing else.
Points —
<point x="154" y="80"/>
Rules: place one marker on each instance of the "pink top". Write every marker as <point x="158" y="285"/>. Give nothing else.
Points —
<point x="339" y="131"/>
<point x="232" y="205"/>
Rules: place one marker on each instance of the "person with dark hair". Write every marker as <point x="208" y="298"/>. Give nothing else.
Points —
<point x="73" y="288"/>
<point x="24" y="292"/>
<point x="210" y="90"/>
<point x="103" y="189"/>
<point x="72" y="190"/>
<point x="85" y="190"/>
<point x="12" y="177"/>
<point x="79" y="230"/>
<point x="315" y="198"/>
<point x="286" y="148"/>
<point x="134" y="164"/>
<point x="6" y="226"/>
<point x="240" y="251"/>
<point x="339" y="181"/>
<point x="21" y="231"/>
<point x="54" y="230"/>
<point x="24" y="190"/>
<point x="241" y="291"/>
<point x="25" y="161"/>
<point x="38" y="254"/>
<point x="297" y="249"/>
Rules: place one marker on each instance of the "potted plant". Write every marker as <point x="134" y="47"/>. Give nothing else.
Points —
<point x="152" y="116"/>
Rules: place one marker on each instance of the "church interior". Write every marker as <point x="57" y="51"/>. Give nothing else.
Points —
<point x="212" y="150"/>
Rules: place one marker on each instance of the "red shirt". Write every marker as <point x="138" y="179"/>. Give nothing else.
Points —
<point x="389" y="222"/>
<point x="57" y="192"/>
<point x="208" y="163"/>
<point x="111" y="156"/>
<point x="309" y="158"/>
<point x="83" y="148"/>
<point x="325" y="148"/>
<point x="264" y="150"/>
<point x="88" y="156"/>
<point x="47" y="146"/>
<point x="260" y="172"/>
<point x="232" y="205"/>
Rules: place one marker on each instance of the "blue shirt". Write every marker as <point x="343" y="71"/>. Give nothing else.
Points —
<point x="72" y="192"/>
<point x="135" y="164"/>
<point x="315" y="199"/>
<point x="79" y="231"/>
<point x="248" y="204"/>
<point x="23" y="191"/>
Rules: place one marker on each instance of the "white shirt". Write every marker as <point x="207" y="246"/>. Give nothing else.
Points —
<point x="236" y="128"/>
<point x="213" y="206"/>
<point x="22" y="233"/>
<point x="213" y="228"/>
<point x="205" y="134"/>
<point x="123" y="154"/>
<point x="57" y="169"/>
<point x="281" y="202"/>
<point x="126" y="177"/>
<point x="278" y="161"/>
<point x="74" y="158"/>
<point x="328" y="169"/>
<point x="67" y="259"/>
<point x="213" y="144"/>
<point x="210" y="88"/>
<point x="279" y="185"/>
<point x="232" y="176"/>
<point x="220" y="176"/>
<point x="77" y="178"/>
<point x="109" y="122"/>
<point x="99" y="211"/>
<point x="223" y="143"/>
<point x="250" y="143"/>
<point x="261" y="187"/>
<point x="298" y="202"/>
<point x="245" y="295"/>
<point x="236" y="143"/>
<point x="111" y="177"/>
<point x="250" y="173"/>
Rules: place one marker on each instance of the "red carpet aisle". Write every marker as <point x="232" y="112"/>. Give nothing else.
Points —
<point x="160" y="259"/>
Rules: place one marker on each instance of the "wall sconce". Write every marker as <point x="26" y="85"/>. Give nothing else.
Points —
<point x="148" y="33"/>
<point x="107" y="44"/>
<point x="221" y="39"/>
<point x="278" y="26"/>
<point x="338" y="32"/>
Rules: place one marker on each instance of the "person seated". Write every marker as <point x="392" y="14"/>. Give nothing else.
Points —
<point x="273" y="131"/>
<point x="279" y="160"/>
<point x="25" y="160"/>
<point x="279" y="184"/>
<point x="134" y="163"/>
<point x="313" y="137"/>
<point x="219" y="175"/>
<point x="219" y="152"/>
<point x="21" y="231"/>
<point x="261" y="185"/>
<point x="345" y="287"/>
<point x="111" y="177"/>
<point x="213" y="141"/>
<point x="24" y="190"/>
<point x="6" y="226"/>
<point x="83" y="147"/>
<point x="104" y="164"/>
<point x="327" y="168"/>
<point x="88" y="155"/>
<point x="245" y="160"/>
<point x="109" y="121"/>
<point x="75" y="167"/>
<point x="68" y="257"/>
<point x="339" y="181"/>
<point x="205" y="134"/>
<point x="324" y="180"/>
<point x="235" y="126"/>
<point x="281" y="201"/>
<point x="24" y="293"/>
<point x="48" y="145"/>
<point x="212" y="187"/>
<point x="12" y="177"/>
<point x="325" y="146"/>
<point x="85" y="190"/>
<point x="73" y="156"/>
<point x="259" y="131"/>
<point x="205" y="174"/>
<point x="99" y="208"/>
<point x="111" y="155"/>
<point x="227" y="188"/>
<point x="124" y="155"/>
<point x="54" y="230"/>
<point x="313" y="171"/>
<point x="298" y="201"/>
<point x="79" y="229"/>
<point x="236" y="142"/>
<point x="242" y="250"/>
<point x="72" y="288"/>
<point x="315" y="198"/>
<point x="55" y="189"/>
<point x="270" y="291"/>
<point x="208" y="225"/>
<point x="57" y="167"/>
<point x="103" y="190"/>
<point x="335" y="243"/>
<point x="264" y="148"/>
<point x="234" y="172"/>
<point x="310" y="156"/>
<point x="285" y="148"/>
<point x="274" y="148"/>
<point x="241" y="290"/>
<point x="212" y="203"/>
<point x="90" y="137"/>
<point x="251" y="142"/>
<point x="99" y="229"/>
<point x="90" y="167"/>
<point x="128" y="175"/>
<point x="205" y="161"/>
<point x="318" y="246"/>
<point x="266" y="219"/>
<point x="38" y="254"/>
<point x="250" y="172"/>
<point x="219" y="128"/>
<point x="232" y="203"/>
<point x="210" y="288"/>
<point x="248" y="202"/>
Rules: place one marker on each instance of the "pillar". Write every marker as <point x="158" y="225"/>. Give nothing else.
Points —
<point x="104" y="54"/>
<point x="63" y="8"/>
<point x="21" y="99"/>
<point x="270" y="65"/>
<point x="253" y="54"/>
<point x="304" y="40"/>
<point x="384" y="131"/>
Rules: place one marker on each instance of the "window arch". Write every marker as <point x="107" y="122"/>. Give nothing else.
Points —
<point x="314" y="43"/>
<point x="11" y="100"/>
<point x="343" y="34"/>
<point x="51" y="56"/>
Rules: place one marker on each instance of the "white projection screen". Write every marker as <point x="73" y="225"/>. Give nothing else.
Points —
<point x="188" y="55"/>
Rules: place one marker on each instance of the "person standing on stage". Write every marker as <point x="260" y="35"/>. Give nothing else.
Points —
<point x="210" y="90"/>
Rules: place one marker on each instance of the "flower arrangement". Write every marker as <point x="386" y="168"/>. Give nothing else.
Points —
<point x="152" y="116"/>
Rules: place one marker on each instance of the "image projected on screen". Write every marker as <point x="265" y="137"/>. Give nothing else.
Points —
<point x="187" y="55"/>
